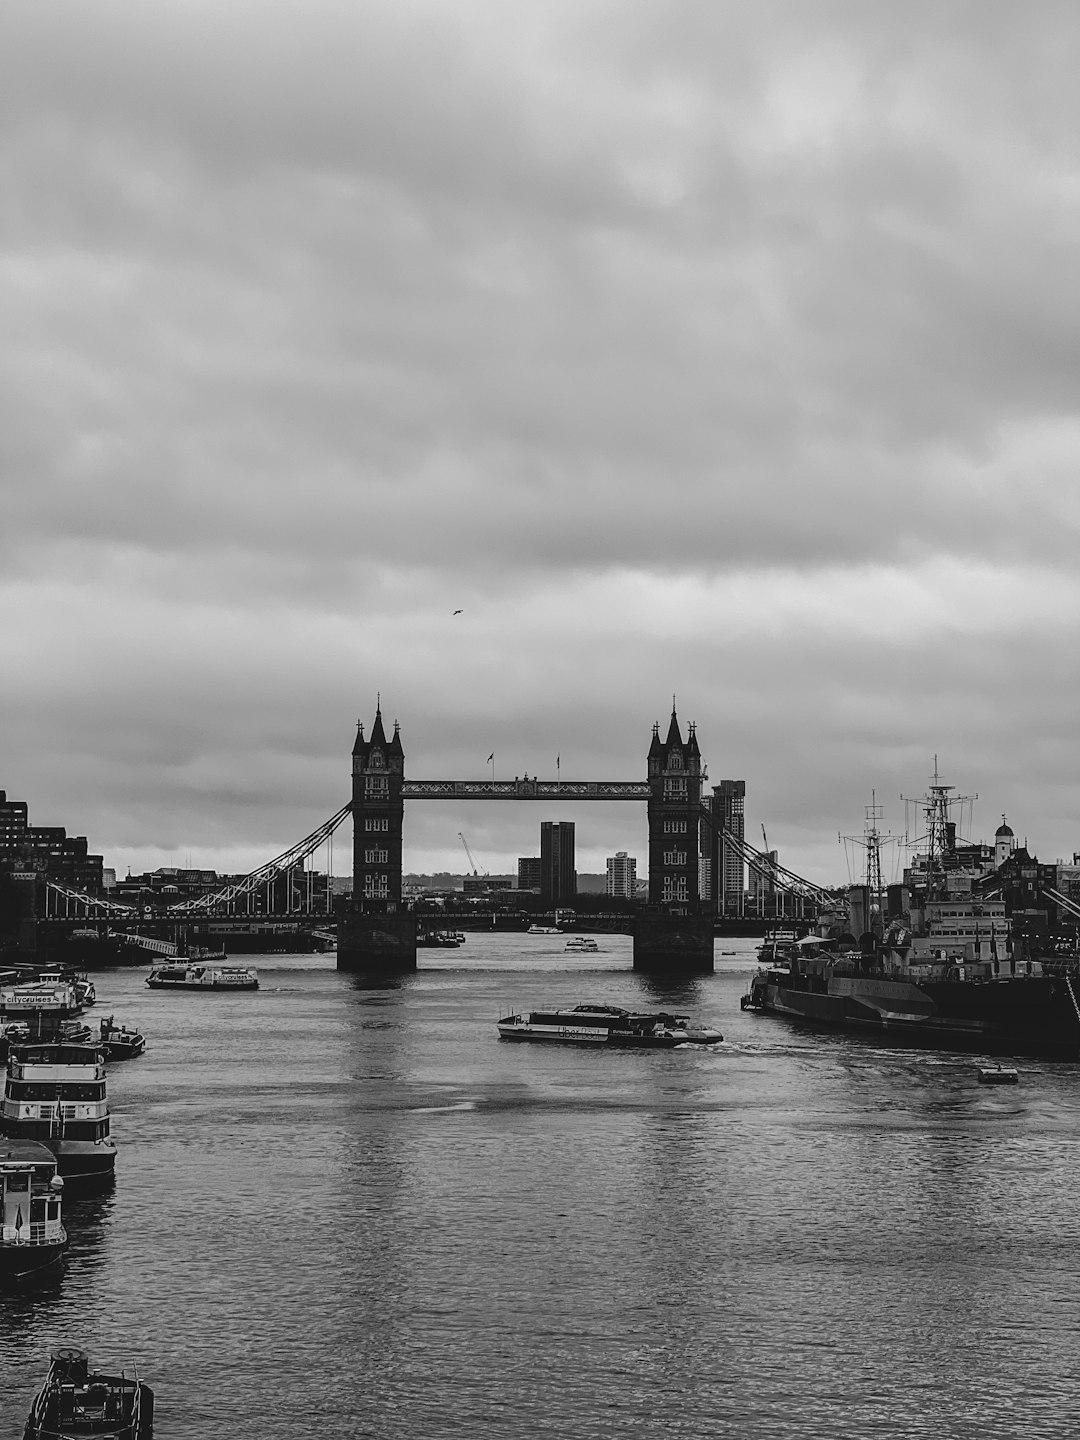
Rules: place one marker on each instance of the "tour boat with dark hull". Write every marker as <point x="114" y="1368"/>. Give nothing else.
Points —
<point x="943" y="972"/>
<point x="606" y="1025"/>
<point x="55" y="1093"/>
<point x="1012" y="1015"/>
<point x="32" y="1237"/>
<point x="76" y="1401"/>
<point x="184" y="975"/>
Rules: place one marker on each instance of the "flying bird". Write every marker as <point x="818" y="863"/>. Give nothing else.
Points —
<point x="459" y="612"/>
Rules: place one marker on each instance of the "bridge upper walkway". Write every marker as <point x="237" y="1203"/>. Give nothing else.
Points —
<point x="526" y="788"/>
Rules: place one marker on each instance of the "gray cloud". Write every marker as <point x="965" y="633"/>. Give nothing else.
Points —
<point x="324" y="320"/>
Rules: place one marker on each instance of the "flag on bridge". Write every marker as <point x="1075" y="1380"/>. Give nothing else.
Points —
<point x="490" y="758"/>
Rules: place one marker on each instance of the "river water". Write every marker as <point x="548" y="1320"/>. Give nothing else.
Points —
<point x="350" y="1211"/>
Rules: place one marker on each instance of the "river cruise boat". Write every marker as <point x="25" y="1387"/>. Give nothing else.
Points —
<point x="83" y="986"/>
<point x="43" y="1006"/>
<point x="188" y="975"/>
<point x="32" y="1234"/>
<point x="543" y="930"/>
<point x="606" y="1025"/>
<point x="54" y="1093"/>
<point x="76" y="1401"/>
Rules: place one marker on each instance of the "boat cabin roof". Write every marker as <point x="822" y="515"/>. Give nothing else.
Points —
<point x="53" y="1053"/>
<point x="26" y="1152"/>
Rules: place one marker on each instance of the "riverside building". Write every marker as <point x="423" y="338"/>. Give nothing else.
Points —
<point x="621" y="875"/>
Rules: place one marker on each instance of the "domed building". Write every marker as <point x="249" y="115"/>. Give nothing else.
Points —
<point x="1004" y="843"/>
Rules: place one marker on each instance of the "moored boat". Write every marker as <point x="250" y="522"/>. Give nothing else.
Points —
<point x="940" y="971"/>
<point x="32" y="1234"/>
<point x="43" y="1006"/>
<point x="81" y="983"/>
<point x="582" y="942"/>
<point x="186" y="975"/>
<point x="606" y="1025"/>
<point x="76" y="1401"/>
<point x="54" y="1092"/>
<point x="120" y="1042"/>
<point x="998" y="1075"/>
<point x="439" y="939"/>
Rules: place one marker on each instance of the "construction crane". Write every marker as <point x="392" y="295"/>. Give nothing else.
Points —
<point x="468" y="852"/>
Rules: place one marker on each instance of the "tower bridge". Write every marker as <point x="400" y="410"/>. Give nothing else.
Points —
<point x="672" y="937"/>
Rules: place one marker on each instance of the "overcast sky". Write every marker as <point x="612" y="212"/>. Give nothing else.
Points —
<point x="724" y="350"/>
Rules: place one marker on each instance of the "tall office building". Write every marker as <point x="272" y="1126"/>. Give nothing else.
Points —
<point x="558" y="878"/>
<point x="723" y="867"/>
<point x="621" y="875"/>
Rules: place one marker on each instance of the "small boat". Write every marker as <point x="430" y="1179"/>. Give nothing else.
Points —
<point x="581" y="942"/>
<point x="119" y="1041"/>
<point x="998" y="1075"/>
<point x="183" y="975"/>
<point x="439" y="939"/>
<point x="32" y="1236"/>
<point x="76" y="1401"/>
<point x="606" y="1025"/>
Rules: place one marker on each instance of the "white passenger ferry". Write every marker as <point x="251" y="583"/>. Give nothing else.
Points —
<point x="607" y="1025"/>
<point x="185" y="975"/>
<point x="55" y="1093"/>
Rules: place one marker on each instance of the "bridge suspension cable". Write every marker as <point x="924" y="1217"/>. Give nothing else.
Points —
<point x="785" y="879"/>
<point x="95" y="904"/>
<point x="266" y="874"/>
<point x="1067" y="904"/>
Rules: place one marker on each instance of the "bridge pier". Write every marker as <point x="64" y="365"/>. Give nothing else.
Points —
<point x="376" y="944"/>
<point x="673" y="946"/>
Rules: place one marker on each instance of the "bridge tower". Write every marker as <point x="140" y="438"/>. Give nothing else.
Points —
<point x="377" y="933"/>
<point x="378" y="815"/>
<point x="673" y="938"/>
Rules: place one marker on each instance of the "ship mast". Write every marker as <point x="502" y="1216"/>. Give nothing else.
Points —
<point x="940" y="838"/>
<point x="874" y="812"/>
<point x="937" y="832"/>
<point x="872" y="840"/>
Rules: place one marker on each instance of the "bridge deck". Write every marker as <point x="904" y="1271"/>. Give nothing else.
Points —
<point x="524" y="789"/>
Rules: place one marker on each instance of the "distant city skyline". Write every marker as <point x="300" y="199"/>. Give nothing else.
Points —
<point x="526" y="365"/>
<point x="624" y="818"/>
